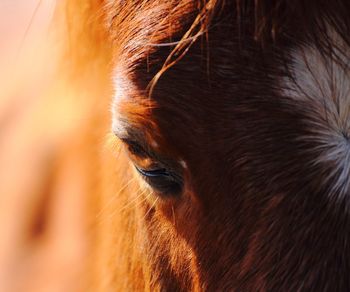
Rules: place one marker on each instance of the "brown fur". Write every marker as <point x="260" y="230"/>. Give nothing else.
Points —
<point x="257" y="213"/>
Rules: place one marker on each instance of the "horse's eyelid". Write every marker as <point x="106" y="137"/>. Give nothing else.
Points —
<point x="153" y="173"/>
<point x="136" y="147"/>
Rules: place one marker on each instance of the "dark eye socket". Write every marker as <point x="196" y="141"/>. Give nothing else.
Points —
<point x="162" y="181"/>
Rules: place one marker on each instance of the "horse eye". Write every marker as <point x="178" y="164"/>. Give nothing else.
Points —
<point x="162" y="181"/>
<point x="165" y="181"/>
<point x="161" y="172"/>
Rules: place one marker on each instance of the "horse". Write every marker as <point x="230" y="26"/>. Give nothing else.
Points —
<point x="213" y="144"/>
<point x="234" y="124"/>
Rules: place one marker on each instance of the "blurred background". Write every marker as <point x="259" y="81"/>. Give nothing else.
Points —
<point x="54" y="124"/>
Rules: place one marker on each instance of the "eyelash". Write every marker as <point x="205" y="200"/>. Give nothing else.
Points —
<point x="162" y="181"/>
<point x="153" y="173"/>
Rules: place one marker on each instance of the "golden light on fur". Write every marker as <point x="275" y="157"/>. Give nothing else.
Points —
<point x="177" y="146"/>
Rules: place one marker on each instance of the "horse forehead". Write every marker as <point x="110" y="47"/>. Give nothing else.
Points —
<point x="322" y="79"/>
<point x="312" y="71"/>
